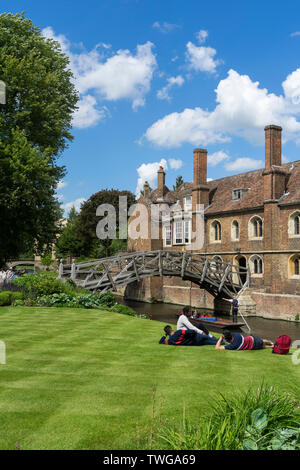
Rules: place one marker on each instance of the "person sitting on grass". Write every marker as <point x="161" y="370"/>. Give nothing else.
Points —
<point x="185" y="338"/>
<point x="183" y="323"/>
<point x="238" y="342"/>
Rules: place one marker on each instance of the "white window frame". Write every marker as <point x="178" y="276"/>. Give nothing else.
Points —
<point x="187" y="226"/>
<point x="178" y="223"/>
<point x="188" y="206"/>
<point x="166" y="239"/>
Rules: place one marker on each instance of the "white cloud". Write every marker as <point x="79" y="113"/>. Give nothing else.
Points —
<point x="87" y="114"/>
<point x="77" y="204"/>
<point x="201" y="36"/>
<point x="175" y="163"/>
<point x="215" y="158"/>
<point x="164" y="27"/>
<point x="246" y="164"/>
<point x="148" y="172"/>
<point x="123" y="75"/>
<point x="163" y="94"/>
<point x="201" y="58"/>
<point x="61" y="184"/>
<point x="296" y="33"/>
<point x="243" y="109"/>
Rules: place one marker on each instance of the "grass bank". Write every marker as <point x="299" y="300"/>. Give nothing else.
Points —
<point x="84" y="379"/>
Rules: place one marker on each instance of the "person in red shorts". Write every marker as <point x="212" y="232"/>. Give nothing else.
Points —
<point x="238" y="342"/>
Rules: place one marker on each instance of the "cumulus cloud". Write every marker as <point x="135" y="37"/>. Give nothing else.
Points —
<point x="164" y="27"/>
<point x="76" y="203"/>
<point x="244" y="164"/>
<point x="148" y="172"/>
<point x="61" y="184"/>
<point x="163" y="94"/>
<point x="201" y="58"/>
<point x="215" y="158"/>
<point x="175" y="163"/>
<point x="243" y="109"/>
<point x="88" y="114"/>
<point x="123" y="75"/>
<point x="202" y="36"/>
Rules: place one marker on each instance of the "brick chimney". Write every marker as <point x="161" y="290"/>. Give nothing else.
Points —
<point x="274" y="174"/>
<point x="200" y="188"/>
<point x="146" y="189"/>
<point x="160" y="181"/>
<point x="272" y="146"/>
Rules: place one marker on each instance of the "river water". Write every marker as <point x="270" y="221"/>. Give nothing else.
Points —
<point x="268" y="329"/>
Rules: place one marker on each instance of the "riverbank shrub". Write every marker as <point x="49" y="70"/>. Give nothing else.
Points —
<point x="124" y="309"/>
<point x="5" y="298"/>
<point x="42" y="283"/>
<point x="261" y="419"/>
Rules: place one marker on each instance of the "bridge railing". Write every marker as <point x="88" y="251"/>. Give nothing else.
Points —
<point x="116" y="271"/>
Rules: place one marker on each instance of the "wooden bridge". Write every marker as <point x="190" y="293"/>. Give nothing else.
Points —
<point x="104" y="274"/>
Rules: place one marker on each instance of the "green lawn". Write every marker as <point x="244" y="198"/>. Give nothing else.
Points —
<point x="83" y="379"/>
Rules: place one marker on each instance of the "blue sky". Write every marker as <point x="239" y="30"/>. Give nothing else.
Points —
<point x="159" y="78"/>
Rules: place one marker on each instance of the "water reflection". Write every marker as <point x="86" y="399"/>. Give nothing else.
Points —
<point x="262" y="327"/>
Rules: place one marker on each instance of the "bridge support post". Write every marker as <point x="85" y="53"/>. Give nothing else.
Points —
<point x="60" y="269"/>
<point x="73" y="271"/>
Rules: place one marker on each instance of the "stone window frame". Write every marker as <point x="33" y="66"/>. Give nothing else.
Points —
<point x="291" y="224"/>
<point x="212" y="231"/>
<point x="260" y="270"/>
<point x="233" y="230"/>
<point x="251" y="235"/>
<point x="292" y="266"/>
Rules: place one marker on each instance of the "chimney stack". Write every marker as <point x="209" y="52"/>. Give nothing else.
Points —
<point x="146" y="189"/>
<point x="272" y="146"/>
<point x="200" y="188"/>
<point x="200" y="167"/>
<point x="160" y="181"/>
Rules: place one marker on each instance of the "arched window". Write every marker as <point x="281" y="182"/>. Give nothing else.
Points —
<point x="255" y="227"/>
<point x="215" y="231"/>
<point x="294" y="224"/>
<point x="256" y="265"/>
<point x="235" y="230"/>
<point x="294" y="266"/>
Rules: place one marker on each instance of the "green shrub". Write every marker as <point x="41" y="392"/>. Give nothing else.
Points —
<point x="18" y="303"/>
<point x="107" y="299"/>
<point x="5" y="298"/>
<point x="16" y="296"/>
<point x="43" y="283"/>
<point x="257" y="419"/>
<point x="124" y="309"/>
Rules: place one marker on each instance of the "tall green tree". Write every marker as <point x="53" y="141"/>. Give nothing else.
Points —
<point x="179" y="182"/>
<point x="35" y="124"/>
<point x="68" y="243"/>
<point x="87" y="223"/>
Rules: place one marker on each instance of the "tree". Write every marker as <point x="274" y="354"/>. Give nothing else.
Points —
<point x="87" y="222"/>
<point x="35" y="125"/>
<point x="68" y="243"/>
<point x="179" y="182"/>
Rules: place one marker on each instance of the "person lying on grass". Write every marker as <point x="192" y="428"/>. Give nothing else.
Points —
<point x="185" y="338"/>
<point x="183" y="323"/>
<point x="239" y="342"/>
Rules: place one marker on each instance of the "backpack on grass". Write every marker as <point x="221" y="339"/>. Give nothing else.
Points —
<point x="282" y="345"/>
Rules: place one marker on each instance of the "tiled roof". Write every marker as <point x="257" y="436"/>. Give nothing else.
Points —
<point x="220" y="190"/>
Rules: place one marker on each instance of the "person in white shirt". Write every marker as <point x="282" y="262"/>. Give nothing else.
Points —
<point x="183" y="323"/>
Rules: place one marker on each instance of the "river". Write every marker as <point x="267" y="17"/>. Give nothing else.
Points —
<point x="265" y="328"/>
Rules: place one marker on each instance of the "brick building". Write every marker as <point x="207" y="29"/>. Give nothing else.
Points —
<point x="250" y="219"/>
